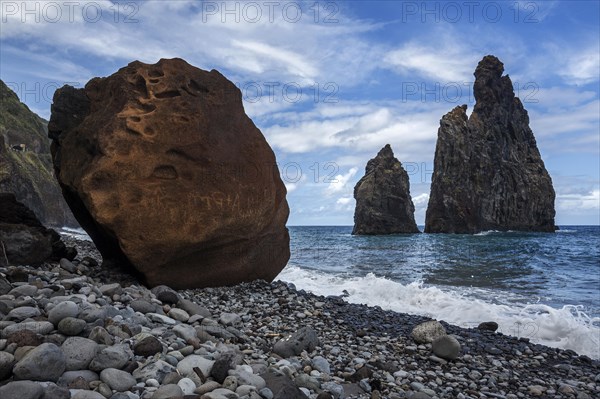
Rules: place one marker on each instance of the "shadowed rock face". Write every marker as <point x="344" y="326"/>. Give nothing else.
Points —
<point x="165" y="171"/>
<point x="23" y="239"/>
<point x="28" y="173"/>
<point x="383" y="202"/>
<point x="488" y="172"/>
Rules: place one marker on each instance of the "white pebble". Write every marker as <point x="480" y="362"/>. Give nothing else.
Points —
<point x="152" y="383"/>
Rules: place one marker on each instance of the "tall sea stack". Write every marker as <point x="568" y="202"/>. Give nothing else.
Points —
<point x="488" y="172"/>
<point x="383" y="202"/>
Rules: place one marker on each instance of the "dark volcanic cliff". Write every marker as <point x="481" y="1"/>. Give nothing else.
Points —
<point x="488" y="172"/>
<point x="383" y="202"/>
<point x="28" y="173"/>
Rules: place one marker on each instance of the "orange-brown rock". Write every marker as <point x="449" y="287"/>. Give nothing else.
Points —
<point x="165" y="171"/>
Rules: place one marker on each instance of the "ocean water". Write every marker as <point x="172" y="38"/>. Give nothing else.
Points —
<point x="545" y="287"/>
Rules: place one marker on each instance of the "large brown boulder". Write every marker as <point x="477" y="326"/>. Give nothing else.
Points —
<point x="488" y="173"/>
<point x="23" y="239"/>
<point x="383" y="201"/>
<point x="165" y="171"/>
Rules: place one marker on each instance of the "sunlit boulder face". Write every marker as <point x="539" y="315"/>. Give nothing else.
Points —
<point x="383" y="201"/>
<point x="488" y="172"/>
<point x="165" y="171"/>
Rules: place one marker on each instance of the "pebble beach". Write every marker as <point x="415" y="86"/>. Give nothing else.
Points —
<point x="83" y="330"/>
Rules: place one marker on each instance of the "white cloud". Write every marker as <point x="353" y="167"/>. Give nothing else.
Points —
<point x="576" y="203"/>
<point x="292" y="177"/>
<point x="448" y="60"/>
<point x="582" y="66"/>
<point x="344" y="200"/>
<point x="293" y="62"/>
<point x="411" y="128"/>
<point x="269" y="49"/>
<point x="555" y="98"/>
<point x="290" y="187"/>
<point x="568" y="121"/>
<point x="345" y="204"/>
<point x="340" y="182"/>
<point x="421" y="201"/>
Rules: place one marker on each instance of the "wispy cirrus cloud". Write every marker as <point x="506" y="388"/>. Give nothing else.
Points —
<point x="444" y="60"/>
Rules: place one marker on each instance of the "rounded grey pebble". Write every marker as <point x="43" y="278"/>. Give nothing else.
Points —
<point x="53" y="391"/>
<point x="43" y="363"/>
<point x="335" y="389"/>
<point x="21" y="390"/>
<point x="78" y="352"/>
<point x="7" y="361"/>
<point x="266" y="393"/>
<point x="63" y="310"/>
<point x="81" y="394"/>
<point x="68" y="265"/>
<point x="71" y="326"/>
<point x="447" y="347"/>
<point x="168" y="391"/>
<point x="116" y="379"/>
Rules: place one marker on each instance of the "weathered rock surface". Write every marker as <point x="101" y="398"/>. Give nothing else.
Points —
<point x="383" y="202"/>
<point x="44" y="363"/>
<point x="165" y="171"/>
<point x="427" y="332"/>
<point x="488" y="172"/>
<point x="23" y="239"/>
<point x="25" y="161"/>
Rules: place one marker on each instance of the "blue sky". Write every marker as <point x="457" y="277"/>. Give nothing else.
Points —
<point x="329" y="83"/>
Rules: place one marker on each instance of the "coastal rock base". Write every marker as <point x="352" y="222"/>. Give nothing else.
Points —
<point x="23" y="239"/>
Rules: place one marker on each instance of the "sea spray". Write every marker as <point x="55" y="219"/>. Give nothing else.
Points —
<point x="568" y="327"/>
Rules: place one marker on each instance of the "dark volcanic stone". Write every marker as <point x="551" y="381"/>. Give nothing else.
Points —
<point x="166" y="173"/>
<point x="488" y="326"/>
<point x="25" y="241"/>
<point x="223" y="363"/>
<point x="305" y="339"/>
<point x="282" y="387"/>
<point x="383" y="202"/>
<point x="488" y="172"/>
<point x="21" y="390"/>
<point x="166" y="294"/>
<point x="25" y="338"/>
<point x="148" y="346"/>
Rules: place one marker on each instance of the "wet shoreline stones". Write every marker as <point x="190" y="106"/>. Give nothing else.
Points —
<point x="81" y="330"/>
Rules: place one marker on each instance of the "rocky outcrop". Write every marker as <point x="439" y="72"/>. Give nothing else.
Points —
<point x="25" y="162"/>
<point x="165" y="171"/>
<point x="383" y="202"/>
<point x="23" y="239"/>
<point x="488" y="172"/>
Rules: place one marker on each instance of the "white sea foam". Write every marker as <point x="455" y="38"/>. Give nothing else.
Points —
<point x="77" y="233"/>
<point x="486" y="233"/>
<point x="567" y="328"/>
